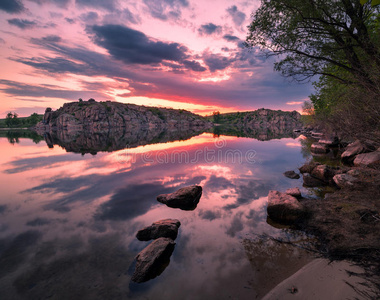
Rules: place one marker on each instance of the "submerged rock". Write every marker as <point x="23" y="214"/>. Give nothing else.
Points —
<point x="366" y="159"/>
<point x="186" y="198"/>
<point x="295" y="192"/>
<point x="164" y="228"/>
<point x="292" y="175"/>
<point x="153" y="260"/>
<point x="284" y="208"/>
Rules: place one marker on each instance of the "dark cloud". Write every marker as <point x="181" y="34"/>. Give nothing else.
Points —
<point x="38" y="222"/>
<point x="238" y="17"/>
<point x="60" y="3"/>
<point x="70" y="21"/>
<point x="2" y="41"/>
<point x="165" y="9"/>
<point x="27" y="90"/>
<point x="130" y="17"/>
<point x="109" y="5"/>
<point x="3" y="208"/>
<point x="52" y="39"/>
<point x="194" y="65"/>
<point x="11" y="6"/>
<point x="217" y="61"/>
<point x="22" y="23"/>
<point x="90" y="16"/>
<point x="134" y="47"/>
<point x="210" y="28"/>
<point x="210" y="214"/>
<point x="231" y="38"/>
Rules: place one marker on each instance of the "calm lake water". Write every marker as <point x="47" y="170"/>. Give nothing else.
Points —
<point x="68" y="221"/>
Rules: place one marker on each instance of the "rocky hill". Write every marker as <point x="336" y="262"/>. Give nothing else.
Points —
<point x="102" y="116"/>
<point x="275" y="120"/>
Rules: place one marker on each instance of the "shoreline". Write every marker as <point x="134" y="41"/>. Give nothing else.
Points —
<point x="346" y="222"/>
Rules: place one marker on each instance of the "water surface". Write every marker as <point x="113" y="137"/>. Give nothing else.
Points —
<point x="68" y="221"/>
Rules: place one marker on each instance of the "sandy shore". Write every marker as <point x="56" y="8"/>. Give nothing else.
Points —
<point x="322" y="279"/>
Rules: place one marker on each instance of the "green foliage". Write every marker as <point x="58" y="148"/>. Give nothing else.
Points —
<point x="12" y="120"/>
<point x="216" y="116"/>
<point x="156" y="111"/>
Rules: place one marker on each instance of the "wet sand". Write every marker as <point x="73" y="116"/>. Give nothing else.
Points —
<point x="322" y="279"/>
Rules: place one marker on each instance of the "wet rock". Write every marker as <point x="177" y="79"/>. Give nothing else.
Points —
<point x="356" y="148"/>
<point x="310" y="181"/>
<point x="291" y="175"/>
<point x="186" y="198"/>
<point x="153" y="260"/>
<point x="284" y="208"/>
<point x="319" y="148"/>
<point x="164" y="228"/>
<point x="295" y="192"/>
<point x="344" y="180"/>
<point x="366" y="159"/>
<point x="329" y="141"/>
<point x="308" y="168"/>
<point x="323" y="172"/>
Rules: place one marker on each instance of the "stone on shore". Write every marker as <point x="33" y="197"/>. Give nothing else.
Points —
<point x="329" y="141"/>
<point x="292" y="175"/>
<point x="356" y="148"/>
<point x="319" y="148"/>
<point x="310" y="181"/>
<point x="295" y="192"/>
<point x="153" y="260"/>
<point x="344" y="180"/>
<point x="366" y="159"/>
<point x="164" y="228"/>
<point x="186" y="198"/>
<point x="284" y="208"/>
<point x="308" y="167"/>
<point x="323" y="172"/>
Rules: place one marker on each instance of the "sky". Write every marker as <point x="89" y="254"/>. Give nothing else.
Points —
<point x="186" y="54"/>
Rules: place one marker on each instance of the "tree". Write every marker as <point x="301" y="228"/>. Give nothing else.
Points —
<point x="338" y="39"/>
<point x="216" y="116"/>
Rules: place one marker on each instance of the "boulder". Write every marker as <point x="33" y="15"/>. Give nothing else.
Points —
<point x="356" y="148"/>
<point x="284" y="208"/>
<point x="295" y="192"/>
<point x="319" y="148"/>
<point x="308" y="168"/>
<point x="186" y="198"/>
<point x="164" y="228"/>
<point x="344" y="180"/>
<point x="310" y="181"/>
<point x="291" y="175"/>
<point x="366" y="159"/>
<point x="153" y="260"/>
<point x="329" y="141"/>
<point x="323" y="172"/>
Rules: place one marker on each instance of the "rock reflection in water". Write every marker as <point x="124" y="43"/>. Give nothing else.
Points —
<point x="114" y="139"/>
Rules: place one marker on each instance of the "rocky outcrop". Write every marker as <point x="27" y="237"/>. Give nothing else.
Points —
<point x="284" y="208"/>
<point x="152" y="260"/>
<point x="318" y="148"/>
<point x="100" y="116"/>
<point x="186" y="198"/>
<point x="167" y="228"/>
<point x="262" y="118"/>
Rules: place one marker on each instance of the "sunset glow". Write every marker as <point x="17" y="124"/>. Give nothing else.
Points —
<point x="178" y="54"/>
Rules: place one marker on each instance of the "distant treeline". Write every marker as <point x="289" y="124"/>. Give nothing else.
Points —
<point x="12" y="120"/>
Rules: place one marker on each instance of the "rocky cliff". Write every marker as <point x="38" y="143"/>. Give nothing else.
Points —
<point x="102" y="116"/>
<point x="274" y="120"/>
